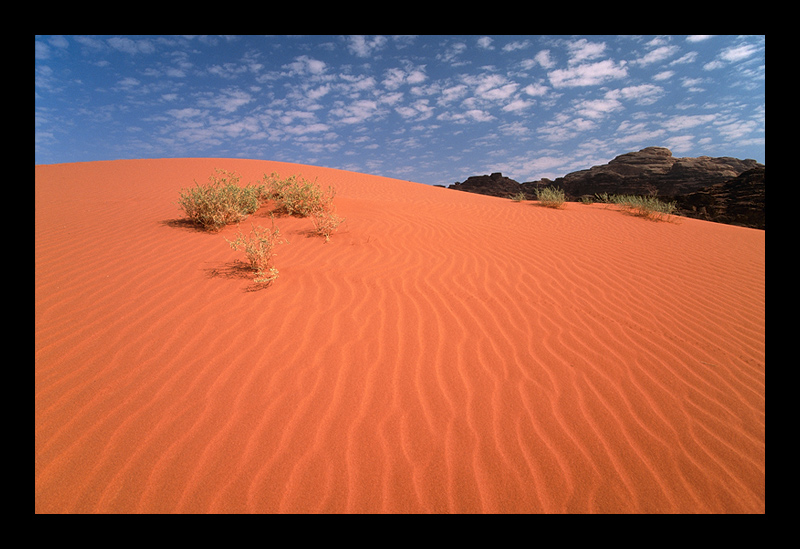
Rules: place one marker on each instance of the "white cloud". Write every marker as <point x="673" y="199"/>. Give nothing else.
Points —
<point x="583" y="50"/>
<point x="588" y="75"/>
<point x="644" y="94"/>
<point x="503" y="92"/>
<point x="128" y="45"/>
<point x="361" y="46"/>
<point x="305" y="129"/>
<point x="227" y="70"/>
<point x="657" y="55"/>
<point x="419" y="110"/>
<point x="683" y="122"/>
<point x="479" y="115"/>
<point x="174" y="72"/>
<point x="289" y="116"/>
<point x="304" y="64"/>
<point x="688" y="58"/>
<point x="452" y="52"/>
<point x="517" y="45"/>
<point x="318" y="93"/>
<point x="486" y="43"/>
<point x="491" y="87"/>
<point x="543" y="58"/>
<point x="692" y="84"/>
<point x="629" y="132"/>
<point x="737" y="129"/>
<point x="680" y="143"/>
<point x="396" y="77"/>
<point x="453" y="93"/>
<point x="390" y="98"/>
<point x="517" y="105"/>
<point x="416" y="76"/>
<point x="471" y="115"/>
<point x="58" y="41"/>
<point x="732" y="54"/>
<point x="535" y="89"/>
<point x="563" y="128"/>
<point x="182" y="114"/>
<point x="663" y="75"/>
<point x="738" y="53"/>
<point x="128" y="82"/>
<point x="597" y="108"/>
<point x="356" y="112"/>
<point x="228" y="101"/>
<point x="515" y="128"/>
<point x="698" y="37"/>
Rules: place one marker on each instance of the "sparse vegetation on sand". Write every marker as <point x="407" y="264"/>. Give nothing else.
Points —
<point x="219" y="202"/>
<point x="519" y="197"/>
<point x="222" y="202"/>
<point x="258" y="246"/>
<point x="302" y="198"/>
<point x="296" y="195"/>
<point x="551" y="197"/>
<point x="648" y="207"/>
<point x="326" y="222"/>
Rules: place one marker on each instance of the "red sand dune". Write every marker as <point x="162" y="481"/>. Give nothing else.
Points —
<point x="444" y="353"/>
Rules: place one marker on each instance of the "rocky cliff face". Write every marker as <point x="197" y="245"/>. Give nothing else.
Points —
<point x="654" y="169"/>
<point x="703" y="186"/>
<point x="739" y="201"/>
<point x="492" y="185"/>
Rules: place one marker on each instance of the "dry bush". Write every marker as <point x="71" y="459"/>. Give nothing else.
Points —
<point x="648" y="207"/>
<point x="258" y="246"/>
<point x="296" y="195"/>
<point x="551" y="197"/>
<point x="302" y="198"/>
<point x="326" y="222"/>
<point x="219" y="202"/>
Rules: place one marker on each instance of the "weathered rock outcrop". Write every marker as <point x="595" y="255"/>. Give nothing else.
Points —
<point x="654" y="169"/>
<point x="703" y="187"/>
<point x="739" y="201"/>
<point x="492" y="185"/>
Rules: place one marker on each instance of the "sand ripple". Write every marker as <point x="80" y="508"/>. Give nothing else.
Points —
<point x="444" y="353"/>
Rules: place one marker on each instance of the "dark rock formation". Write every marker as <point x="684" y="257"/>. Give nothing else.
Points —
<point x="492" y="185"/>
<point x="701" y="186"/>
<point x="739" y="201"/>
<point x="653" y="170"/>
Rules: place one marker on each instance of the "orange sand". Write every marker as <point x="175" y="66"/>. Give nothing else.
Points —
<point x="444" y="353"/>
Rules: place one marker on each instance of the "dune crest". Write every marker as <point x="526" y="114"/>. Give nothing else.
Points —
<point x="443" y="353"/>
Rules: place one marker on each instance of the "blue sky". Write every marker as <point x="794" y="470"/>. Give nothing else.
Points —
<point x="430" y="109"/>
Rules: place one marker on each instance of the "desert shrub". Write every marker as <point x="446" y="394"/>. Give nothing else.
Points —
<point x="519" y="197"/>
<point x="258" y="246"/>
<point x="219" y="202"/>
<point x="605" y="198"/>
<point x="648" y="207"/>
<point x="551" y="197"/>
<point x="326" y="222"/>
<point x="296" y="195"/>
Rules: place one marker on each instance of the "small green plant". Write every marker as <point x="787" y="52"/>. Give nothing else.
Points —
<point x="551" y="197"/>
<point x="603" y="197"/>
<point x="258" y="246"/>
<point x="519" y="197"/>
<point x="219" y="202"/>
<point x="648" y="207"/>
